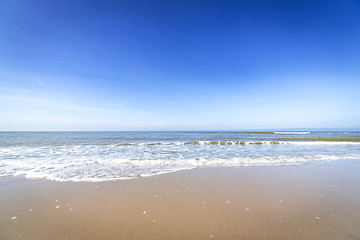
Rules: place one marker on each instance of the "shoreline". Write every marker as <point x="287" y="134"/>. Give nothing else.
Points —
<point x="310" y="201"/>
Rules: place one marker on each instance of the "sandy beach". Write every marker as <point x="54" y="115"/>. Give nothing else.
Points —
<point x="284" y="202"/>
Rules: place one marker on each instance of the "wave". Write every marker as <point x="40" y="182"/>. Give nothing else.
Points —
<point x="322" y="139"/>
<point x="116" y="169"/>
<point x="200" y="143"/>
<point x="294" y="141"/>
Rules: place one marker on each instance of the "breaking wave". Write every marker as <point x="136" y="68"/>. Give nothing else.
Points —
<point x="103" y="156"/>
<point x="116" y="169"/>
<point x="293" y="141"/>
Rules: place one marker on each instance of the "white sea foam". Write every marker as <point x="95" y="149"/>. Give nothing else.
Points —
<point x="319" y="143"/>
<point x="140" y="168"/>
<point x="294" y="142"/>
<point x="75" y="168"/>
<point x="111" y="160"/>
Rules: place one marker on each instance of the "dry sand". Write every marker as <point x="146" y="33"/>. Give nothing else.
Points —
<point x="293" y="202"/>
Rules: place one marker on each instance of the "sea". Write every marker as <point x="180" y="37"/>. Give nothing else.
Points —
<point x="104" y="156"/>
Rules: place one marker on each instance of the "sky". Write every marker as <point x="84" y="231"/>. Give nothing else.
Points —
<point x="179" y="65"/>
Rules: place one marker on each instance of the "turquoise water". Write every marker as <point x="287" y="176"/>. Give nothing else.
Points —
<point x="100" y="156"/>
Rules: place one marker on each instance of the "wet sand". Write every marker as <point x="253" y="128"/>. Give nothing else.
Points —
<point x="288" y="202"/>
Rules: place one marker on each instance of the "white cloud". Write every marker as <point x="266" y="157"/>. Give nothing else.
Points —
<point x="37" y="110"/>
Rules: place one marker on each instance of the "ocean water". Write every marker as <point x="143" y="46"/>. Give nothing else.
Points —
<point x="102" y="156"/>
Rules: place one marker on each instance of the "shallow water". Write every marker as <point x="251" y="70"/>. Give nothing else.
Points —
<point x="99" y="156"/>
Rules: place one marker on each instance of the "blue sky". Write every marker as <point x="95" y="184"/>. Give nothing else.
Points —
<point x="179" y="65"/>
